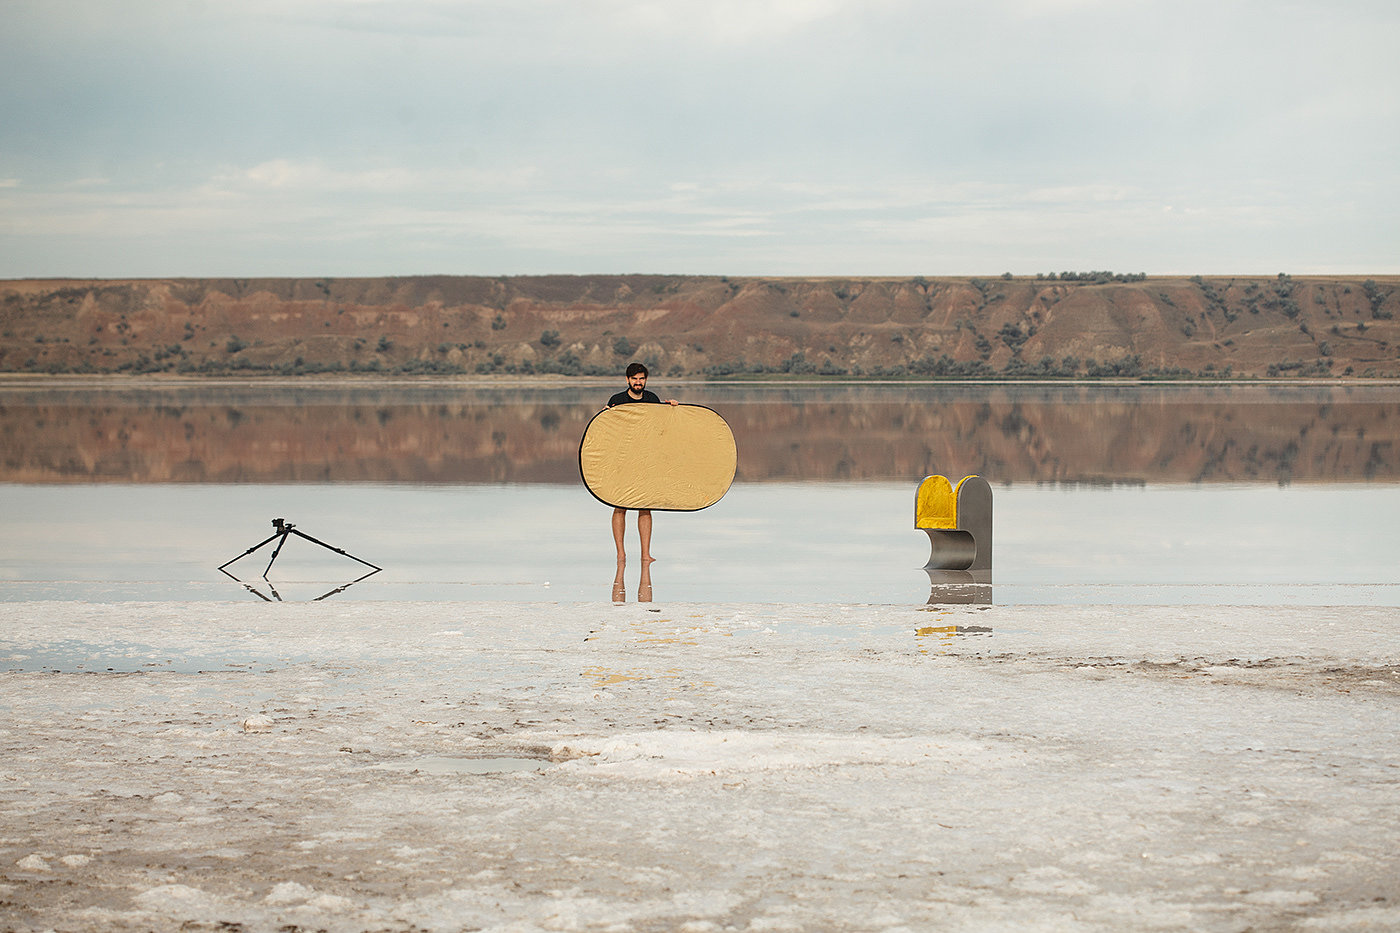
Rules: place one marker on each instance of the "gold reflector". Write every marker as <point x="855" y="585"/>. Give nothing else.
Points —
<point x="677" y="458"/>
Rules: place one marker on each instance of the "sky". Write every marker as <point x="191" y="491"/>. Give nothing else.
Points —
<point x="151" y="138"/>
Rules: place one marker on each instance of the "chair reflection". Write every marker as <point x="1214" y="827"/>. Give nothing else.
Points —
<point x="957" y="588"/>
<point x="946" y="633"/>
<point x="657" y="637"/>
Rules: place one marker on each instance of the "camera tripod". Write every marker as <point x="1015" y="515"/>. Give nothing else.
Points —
<point x="286" y="529"/>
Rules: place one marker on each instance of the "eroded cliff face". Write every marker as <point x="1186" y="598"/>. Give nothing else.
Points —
<point x="716" y="326"/>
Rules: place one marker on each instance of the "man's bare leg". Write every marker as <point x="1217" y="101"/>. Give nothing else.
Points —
<point x="619" y="524"/>
<point x="644" y="532"/>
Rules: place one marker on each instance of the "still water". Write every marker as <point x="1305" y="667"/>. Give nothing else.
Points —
<point x="1150" y="494"/>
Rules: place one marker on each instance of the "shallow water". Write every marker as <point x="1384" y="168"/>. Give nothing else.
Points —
<point x="772" y="542"/>
<point x="1118" y="495"/>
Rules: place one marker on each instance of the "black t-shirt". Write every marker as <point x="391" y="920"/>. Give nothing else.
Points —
<point x="622" y="398"/>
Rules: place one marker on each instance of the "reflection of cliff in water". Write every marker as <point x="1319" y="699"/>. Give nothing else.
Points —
<point x="443" y="434"/>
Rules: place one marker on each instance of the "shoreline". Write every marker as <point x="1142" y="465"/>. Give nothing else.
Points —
<point x="14" y="380"/>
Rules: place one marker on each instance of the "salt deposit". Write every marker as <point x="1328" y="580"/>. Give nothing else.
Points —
<point x="171" y="766"/>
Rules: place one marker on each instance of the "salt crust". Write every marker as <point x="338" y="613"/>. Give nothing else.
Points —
<point x="709" y="767"/>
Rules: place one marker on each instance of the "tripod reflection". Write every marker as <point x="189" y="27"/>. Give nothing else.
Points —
<point x="277" y="597"/>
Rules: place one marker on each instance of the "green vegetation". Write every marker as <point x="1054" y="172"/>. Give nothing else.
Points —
<point x="1013" y="336"/>
<point x="1377" y="298"/>
<point x="1093" y="278"/>
<point x="1282" y="299"/>
<point x="1299" y="368"/>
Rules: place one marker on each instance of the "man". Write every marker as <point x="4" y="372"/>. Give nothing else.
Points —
<point x="636" y="391"/>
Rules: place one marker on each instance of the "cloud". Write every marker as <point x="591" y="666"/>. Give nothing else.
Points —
<point x="710" y="135"/>
<point x="312" y="179"/>
<point x="310" y="176"/>
<point x="561" y="25"/>
<point x="725" y="21"/>
<point x="413" y="222"/>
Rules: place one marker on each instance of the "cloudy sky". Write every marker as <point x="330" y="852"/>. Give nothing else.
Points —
<point x="745" y="137"/>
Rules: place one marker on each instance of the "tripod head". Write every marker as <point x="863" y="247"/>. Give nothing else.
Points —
<point x="282" y="526"/>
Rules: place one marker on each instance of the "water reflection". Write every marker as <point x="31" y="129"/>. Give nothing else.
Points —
<point x="438" y="433"/>
<point x="277" y="597"/>
<point x="619" y="584"/>
<point x="948" y="632"/>
<point x="956" y="588"/>
<point x="943" y="636"/>
<point x="652" y="632"/>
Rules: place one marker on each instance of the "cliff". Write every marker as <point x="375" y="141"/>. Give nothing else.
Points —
<point x="1091" y="324"/>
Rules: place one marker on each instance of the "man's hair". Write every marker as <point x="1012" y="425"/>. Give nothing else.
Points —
<point x="635" y="368"/>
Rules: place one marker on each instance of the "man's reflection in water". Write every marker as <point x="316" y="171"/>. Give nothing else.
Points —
<point x="619" y="587"/>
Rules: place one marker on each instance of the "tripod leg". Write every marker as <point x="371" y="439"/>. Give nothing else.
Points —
<point x="328" y="547"/>
<point x="277" y="550"/>
<point x="252" y="549"/>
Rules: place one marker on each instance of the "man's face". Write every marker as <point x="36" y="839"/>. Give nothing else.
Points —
<point x="636" y="383"/>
